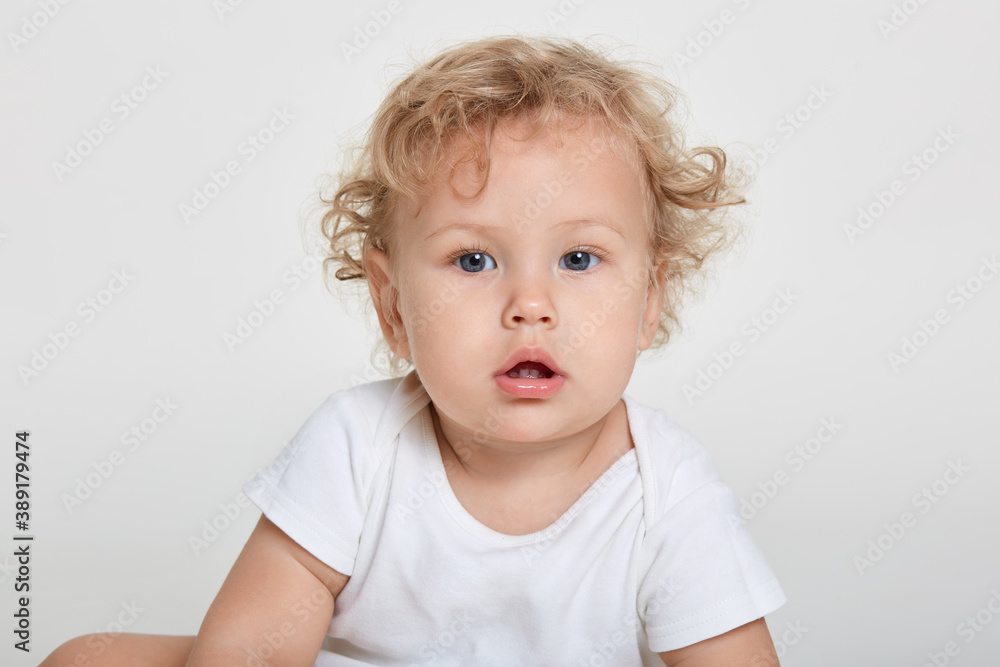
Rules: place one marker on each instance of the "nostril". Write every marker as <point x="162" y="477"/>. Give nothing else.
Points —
<point x="524" y="316"/>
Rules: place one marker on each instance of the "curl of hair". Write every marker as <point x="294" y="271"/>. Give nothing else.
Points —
<point x="465" y="92"/>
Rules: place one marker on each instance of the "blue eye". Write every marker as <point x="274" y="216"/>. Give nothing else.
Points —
<point x="579" y="260"/>
<point x="474" y="262"/>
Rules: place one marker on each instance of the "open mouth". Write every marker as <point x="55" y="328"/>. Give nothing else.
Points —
<point x="530" y="369"/>
<point x="530" y="378"/>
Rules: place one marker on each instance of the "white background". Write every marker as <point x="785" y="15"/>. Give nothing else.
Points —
<point x="161" y="337"/>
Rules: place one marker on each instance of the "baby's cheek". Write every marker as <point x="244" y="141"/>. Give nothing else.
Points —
<point x="436" y="327"/>
<point x="605" y="324"/>
<point x="414" y="308"/>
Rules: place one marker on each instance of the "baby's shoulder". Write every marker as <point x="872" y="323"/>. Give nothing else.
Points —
<point x="673" y="463"/>
<point x="366" y="416"/>
<point x="340" y="438"/>
<point x="362" y="403"/>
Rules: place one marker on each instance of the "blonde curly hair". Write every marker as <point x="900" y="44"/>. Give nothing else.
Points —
<point x="466" y="91"/>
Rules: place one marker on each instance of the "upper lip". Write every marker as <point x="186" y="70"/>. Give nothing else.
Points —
<point x="529" y="354"/>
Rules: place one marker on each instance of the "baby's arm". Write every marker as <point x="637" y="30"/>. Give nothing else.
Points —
<point x="276" y="605"/>
<point x="746" y="646"/>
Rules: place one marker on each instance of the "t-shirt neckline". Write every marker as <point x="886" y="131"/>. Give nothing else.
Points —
<point x="483" y="532"/>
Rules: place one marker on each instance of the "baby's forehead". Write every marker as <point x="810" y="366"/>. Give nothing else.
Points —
<point x="534" y="179"/>
<point x="464" y="160"/>
<point x="592" y="134"/>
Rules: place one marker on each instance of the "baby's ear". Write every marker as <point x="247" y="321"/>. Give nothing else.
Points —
<point x="385" y="296"/>
<point x="654" y="308"/>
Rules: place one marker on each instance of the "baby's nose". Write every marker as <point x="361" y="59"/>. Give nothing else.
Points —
<point x="530" y="303"/>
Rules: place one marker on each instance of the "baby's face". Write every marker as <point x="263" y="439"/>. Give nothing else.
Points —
<point x="524" y="308"/>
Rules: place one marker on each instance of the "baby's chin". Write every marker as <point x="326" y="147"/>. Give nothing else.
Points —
<point x="516" y="424"/>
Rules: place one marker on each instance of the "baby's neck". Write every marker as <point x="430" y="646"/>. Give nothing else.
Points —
<point x="518" y="490"/>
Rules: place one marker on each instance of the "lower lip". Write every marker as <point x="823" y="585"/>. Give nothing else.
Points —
<point x="530" y="387"/>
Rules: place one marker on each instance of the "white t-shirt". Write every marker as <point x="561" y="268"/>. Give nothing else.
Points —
<point x="651" y="558"/>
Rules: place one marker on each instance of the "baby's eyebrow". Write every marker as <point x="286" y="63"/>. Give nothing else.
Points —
<point x="464" y="226"/>
<point x="596" y="221"/>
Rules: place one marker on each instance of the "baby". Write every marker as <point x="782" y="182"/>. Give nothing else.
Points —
<point x="526" y="219"/>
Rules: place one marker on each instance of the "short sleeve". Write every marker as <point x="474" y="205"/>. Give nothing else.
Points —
<point x="704" y="575"/>
<point x="316" y="490"/>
